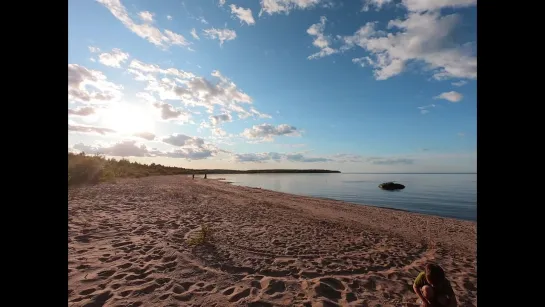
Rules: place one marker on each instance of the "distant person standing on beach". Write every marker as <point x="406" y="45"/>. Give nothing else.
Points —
<point x="193" y="176"/>
<point x="204" y="176"/>
<point x="433" y="289"/>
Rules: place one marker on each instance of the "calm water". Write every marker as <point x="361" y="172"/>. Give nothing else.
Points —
<point x="448" y="195"/>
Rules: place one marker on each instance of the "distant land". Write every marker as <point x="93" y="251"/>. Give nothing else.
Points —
<point x="260" y="171"/>
<point x="95" y="168"/>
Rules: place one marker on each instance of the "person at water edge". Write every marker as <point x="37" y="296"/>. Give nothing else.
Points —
<point x="433" y="288"/>
<point x="193" y="176"/>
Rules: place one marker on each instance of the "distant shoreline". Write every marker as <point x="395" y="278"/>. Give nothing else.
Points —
<point x="84" y="168"/>
<point x="261" y="171"/>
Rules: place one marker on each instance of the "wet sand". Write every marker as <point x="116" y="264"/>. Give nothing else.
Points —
<point x="127" y="246"/>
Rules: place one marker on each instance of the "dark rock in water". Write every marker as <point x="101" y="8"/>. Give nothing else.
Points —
<point x="391" y="186"/>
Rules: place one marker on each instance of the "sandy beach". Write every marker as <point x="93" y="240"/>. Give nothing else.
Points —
<point x="127" y="246"/>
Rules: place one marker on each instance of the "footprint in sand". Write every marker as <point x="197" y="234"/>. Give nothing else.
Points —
<point x="87" y="291"/>
<point x="259" y="304"/>
<point x="239" y="295"/>
<point x="178" y="289"/>
<point x="228" y="291"/>
<point x="105" y="274"/>
<point x="125" y="265"/>
<point x="327" y="291"/>
<point x="183" y="297"/>
<point x="99" y="299"/>
<point x="273" y="286"/>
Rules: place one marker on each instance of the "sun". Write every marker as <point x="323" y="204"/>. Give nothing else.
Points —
<point x="129" y="119"/>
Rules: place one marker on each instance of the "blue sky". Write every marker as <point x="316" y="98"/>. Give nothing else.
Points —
<point x="358" y="86"/>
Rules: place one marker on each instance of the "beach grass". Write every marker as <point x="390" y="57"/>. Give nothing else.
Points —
<point x="85" y="169"/>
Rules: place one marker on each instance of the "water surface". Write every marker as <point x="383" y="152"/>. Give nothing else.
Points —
<point x="447" y="195"/>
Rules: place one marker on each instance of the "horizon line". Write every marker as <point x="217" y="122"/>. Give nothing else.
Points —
<point x="416" y="173"/>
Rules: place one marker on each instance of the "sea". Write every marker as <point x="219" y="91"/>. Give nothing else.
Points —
<point x="445" y="195"/>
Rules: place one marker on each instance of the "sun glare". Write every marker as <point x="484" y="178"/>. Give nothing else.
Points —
<point x="125" y="118"/>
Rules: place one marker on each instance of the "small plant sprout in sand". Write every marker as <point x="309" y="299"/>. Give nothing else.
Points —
<point x="203" y="236"/>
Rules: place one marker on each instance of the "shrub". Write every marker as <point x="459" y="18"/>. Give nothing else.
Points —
<point x="107" y="176"/>
<point x="84" y="170"/>
<point x="203" y="236"/>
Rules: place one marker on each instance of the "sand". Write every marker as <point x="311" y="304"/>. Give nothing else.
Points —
<point x="127" y="246"/>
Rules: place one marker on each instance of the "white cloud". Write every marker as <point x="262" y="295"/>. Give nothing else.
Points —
<point x="218" y="132"/>
<point x="363" y="61"/>
<point x="146" y="96"/>
<point x="145" y="135"/>
<point x="221" y="2"/>
<point x="321" y="41"/>
<point x="285" y="6"/>
<point x="190" y="153"/>
<point x="114" y="58"/>
<point x="147" y="72"/>
<point x="219" y="119"/>
<point x="168" y="112"/>
<point x="220" y="34"/>
<point x="430" y="5"/>
<point x="84" y="111"/>
<point x="146" y="16"/>
<point x="267" y="132"/>
<point x="378" y="4"/>
<point x="354" y="158"/>
<point x="145" y="30"/>
<point x="245" y="15"/>
<point x="194" y="34"/>
<point x="93" y="49"/>
<point x="90" y="86"/>
<point x="176" y="39"/>
<point x="451" y="96"/>
<point x="425" y="109"/>
<point x="424" y="35"/>
<point x="121" y="149"/>
<point x="459" y="83"/>
<point x="259" y="114"/>
<point x="89" y="129"/>
<point x="222" y="95"/>
<point x="253" y="157"/>
<point x="202" y="20"/>
<point x="191" y="148"/>
<point x="277" y="157"/>
<point x="215" y="122"/>
<point x="461" y="134"/>
<point x="169" y="17"/>
<point x="302" y="158"/>
<point x="183" y="140"/>
<point x="130" y="148"/>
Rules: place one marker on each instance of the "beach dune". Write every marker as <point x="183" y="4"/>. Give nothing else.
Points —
<point x="128" y="246"/>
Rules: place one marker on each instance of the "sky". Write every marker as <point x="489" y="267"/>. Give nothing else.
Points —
<point x="355" y="86"/>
